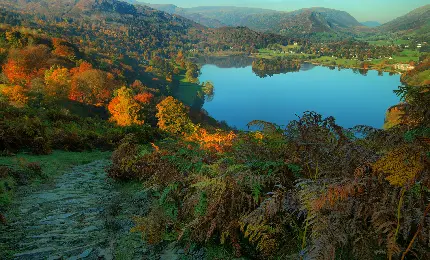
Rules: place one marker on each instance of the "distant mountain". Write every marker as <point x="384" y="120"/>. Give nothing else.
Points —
<point x="303" y="21"/>
<point x="211" y="16"/>
<point x="228" y="15"/>
<point x="184" y="12"/>
<point x="371" y="23"/>
<point x="414" y="20"/>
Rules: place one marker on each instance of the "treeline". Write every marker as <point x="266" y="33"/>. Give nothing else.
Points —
<point x="237" y="39"/>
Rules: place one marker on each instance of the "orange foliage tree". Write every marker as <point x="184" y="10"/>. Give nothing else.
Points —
<point x="15" y="73"/>
<point x="92" y="86"/>
<point x="24" y="65"/>
<point x="15" y="95"/>
<point x="144" y="98"/>
<point x="124" y="109"/>
<point x="172" y="117"/>
<point x="61" y="48"/>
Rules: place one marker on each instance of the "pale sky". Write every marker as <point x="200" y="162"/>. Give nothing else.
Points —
<point x="363" y="10"/>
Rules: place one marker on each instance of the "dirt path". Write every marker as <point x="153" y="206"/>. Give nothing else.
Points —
<point x="69" y="219"/>
<point x="81" y="214"/>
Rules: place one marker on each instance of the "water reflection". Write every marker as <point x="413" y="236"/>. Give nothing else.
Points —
<point x="242" y="96"/>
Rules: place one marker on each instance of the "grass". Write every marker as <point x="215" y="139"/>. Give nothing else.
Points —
<point x="187" y="91"/>
<point x="389" y="42"/>
<point x="406" y="56"/>
<point x="55" y="163"/>
<point x="328" y="60"/>
<point x="269" y="54"/>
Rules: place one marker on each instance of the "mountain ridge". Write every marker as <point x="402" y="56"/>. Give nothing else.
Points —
<point x="413" y="20"/>
<point x="302" y="21"/>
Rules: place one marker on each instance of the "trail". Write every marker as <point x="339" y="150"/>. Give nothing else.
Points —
<point x="73" y="218"/>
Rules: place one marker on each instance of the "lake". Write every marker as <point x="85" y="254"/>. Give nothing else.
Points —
<point x="352" y="98"/>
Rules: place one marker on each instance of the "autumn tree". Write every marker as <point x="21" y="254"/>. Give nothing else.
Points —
<point x="172" y="116"/>
<point x="62" y="48"/>
<point x="144" y="98"/>
<point x="57" y="81"/>
<point x="92" y="87"/>
<point x="15" y="95"/>
<point x="124" y="109"/>
<point x="179" y="57"/>
<point x="24" y="65"/>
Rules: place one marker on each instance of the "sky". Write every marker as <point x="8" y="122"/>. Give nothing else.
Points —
<point x="363" y="10"/>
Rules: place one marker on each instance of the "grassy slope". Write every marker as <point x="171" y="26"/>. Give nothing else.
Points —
<point x="187" y="91"/>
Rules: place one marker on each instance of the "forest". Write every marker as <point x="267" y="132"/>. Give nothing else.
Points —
<point x="102" y="79"/>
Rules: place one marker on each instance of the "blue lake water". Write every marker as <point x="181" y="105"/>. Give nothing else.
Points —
<point x="352" y="98"/>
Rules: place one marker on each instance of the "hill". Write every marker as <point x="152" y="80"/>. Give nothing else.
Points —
<point x="414" y="20"/>
<point x="371" y="23"/>
<point x="212" y="16"/>
<point x="296" y="23"/>
<point x="194" y="16"/>
<point x="130" y="34"/>
<point x="302" y="22"/>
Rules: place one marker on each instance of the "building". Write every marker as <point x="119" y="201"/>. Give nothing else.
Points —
<point x="404" y="67"/>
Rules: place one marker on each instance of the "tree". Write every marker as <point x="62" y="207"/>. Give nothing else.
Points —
<point x="26" y="64"/>
<point x="15" y="95"/>
<point x="124" y="109"/>
<point x="208" y="89"/>
<point x="92" y="87"/>
<point x="57" y="81"/>
<point x="192" y="73"/>
<point x="144" y="98"/>
<point x="172" y="116"/>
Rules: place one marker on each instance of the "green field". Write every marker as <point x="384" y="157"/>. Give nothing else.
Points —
<point x="268" y="54"/>
<point x="187" y="91"/>
<point x="406" y="56"/>
<point x="389" y="42"/>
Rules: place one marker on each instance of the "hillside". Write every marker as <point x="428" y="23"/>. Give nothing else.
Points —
<point x="194" y="16"/>
<point x="371" y="23"/>
<point x="414" y="20"/>
<point x="296" y="23"/>
<point x="212" y="16"/>
<point x="302" y="22"/>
